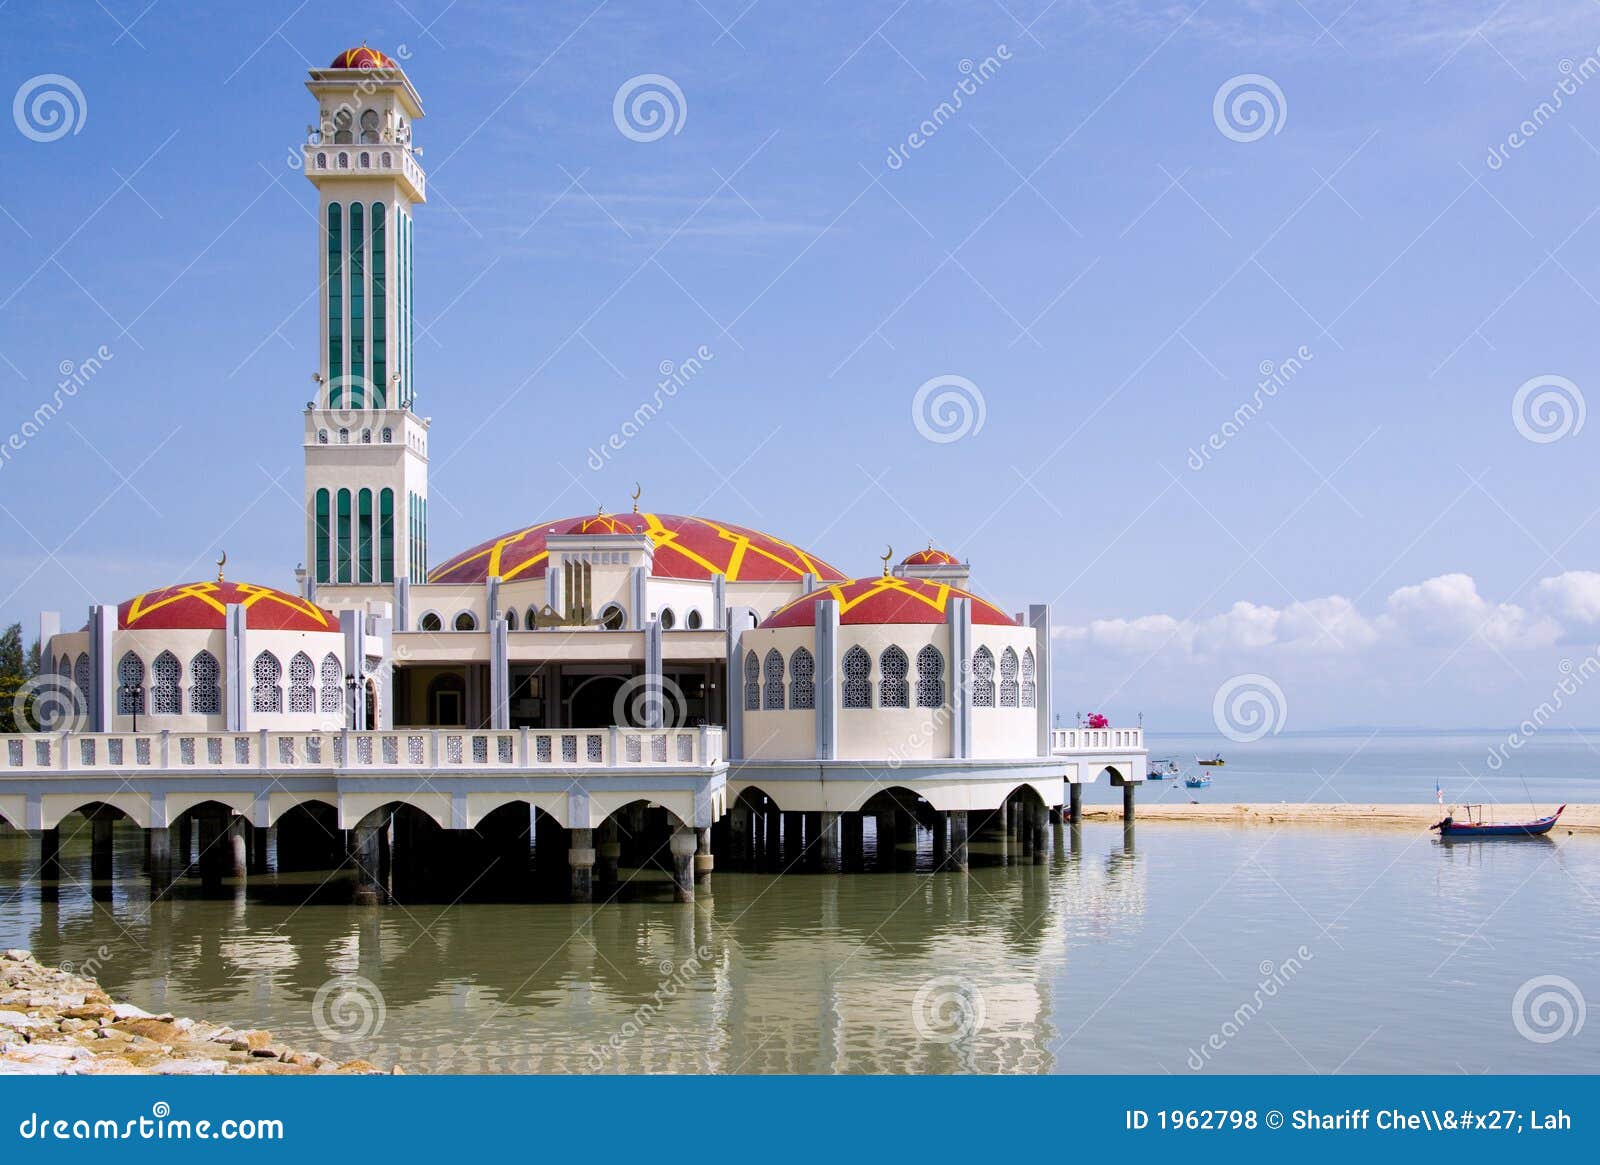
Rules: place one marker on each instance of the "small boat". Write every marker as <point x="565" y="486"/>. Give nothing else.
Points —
<point x="1216" y="760"/>
<point x="1162" y="770"/>
<point x="1200" y="782"/>
<point x="1476" y="826"/>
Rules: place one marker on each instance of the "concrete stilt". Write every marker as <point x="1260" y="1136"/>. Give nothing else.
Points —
<point x="958" y="859"/>
<point x="213" y="850"/>
<point x="1127" y="801"/>
<point x="886" y="839"/>
<point x="608" y="853"/>
<point x="739" y="835"/>
<point x="260" y="841"/>
<point x="238" y="848"/>
<point x="704" y="862"/>
<point x="813" y="830"/>
<point x="793" y="826"/>
<point x="1040" y="828"/>
<point x="365" y="853"/>
<point x="158" y="848"/>
<point x="100" y="852"/>
<point x="683" y="846"/>
<point x="830" y="841"/>
<point x="1075" y="804"/>
<point x="1023" y="818"/>
<point x="941" y="839"/>
<point x="1055" y="814"/>
<point x="185" y="855"/>
<point x="49" y="855"/>
<point x="774" y="842"/>
<point x="580" y="861"/>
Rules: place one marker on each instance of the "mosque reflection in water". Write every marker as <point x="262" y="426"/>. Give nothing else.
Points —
<point x="886" y="972"/>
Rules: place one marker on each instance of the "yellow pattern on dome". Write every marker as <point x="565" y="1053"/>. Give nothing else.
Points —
<point x="142" y="605"/>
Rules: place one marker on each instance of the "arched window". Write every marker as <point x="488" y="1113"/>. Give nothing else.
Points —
<point x="1008" y="678"/>
<point x="365" y="161"/>
<point x="511" y="619"/>
<point x="532" y="621"/>
<point x="322" y="161"/>
<point x="80" y="674"/>
<point x="341" y="128"/>
<point x="668" y="619"/>
<point x="369" y="129"/>
<point x="332" y="684"/>
<point x="130" y="685"/>
<point x="64" y="668"/>
<point x="366" y="436"/>
<point x="388" y="436"/>
<point x="1030" y="688"/>
<point x="752" y="682"/>
<point x="466" y="621"/>
<point x="344" y="160"/>
<point x="322" y="436"/>
<point x="205" y="692"/>
<point x="693" y="621"/>
<point x="983" y="678"/>
<point x="388" y="159"/>
<point x="302" y="697"/>
<point x="772" y="700"/>
<point x="612" y="617"/>
<point x="857" y="678"/>
<point x="893" y="690"/>
<point x="802" y="679"/>
<point x="344" y="436"/>
<point x="930" y="677"/>
<point x="267" y="696"/>
<point x="429" y="622"/>
<point x="165" y="672"/>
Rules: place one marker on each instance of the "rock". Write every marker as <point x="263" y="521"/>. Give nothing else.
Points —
<point x="22" y="1021"/>
<point x="270" y="1052"/>
<point x="115" y="1036"/>
<point x="78" y="1025"/>
<point x="17" y="955"/>
<point x="251" y="1041"/>
<point x="158" y="1030"/>
<point x="306" y="1059"/>
<point x="190" y="1068"/>
<point x="354" y="1066"/>
<point x="129" y="1011"/>
<point x="89" y="1011"/>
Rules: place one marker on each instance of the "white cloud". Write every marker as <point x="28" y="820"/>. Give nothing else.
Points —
<point x="1445" y="611"/>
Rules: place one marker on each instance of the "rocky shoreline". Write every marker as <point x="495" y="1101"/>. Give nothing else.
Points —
<point x="1576" y="818"/>
<point x="53" y="1023"/>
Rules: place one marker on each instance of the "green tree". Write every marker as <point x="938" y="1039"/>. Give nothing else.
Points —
<point x="13" y="669"/>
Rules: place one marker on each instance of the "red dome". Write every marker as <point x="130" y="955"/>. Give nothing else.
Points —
<point x="362" y="58"/>
<point x="599" y="524"/>
<point x="890" y="599"/>
<point x="202" y="606"/>
<point x="930" y="557"/>
<point x="692" y="548"/>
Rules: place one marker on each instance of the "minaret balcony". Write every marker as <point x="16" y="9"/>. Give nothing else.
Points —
<point x="366" y="160"/>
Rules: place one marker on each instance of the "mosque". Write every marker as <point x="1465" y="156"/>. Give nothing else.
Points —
<point x="563" y="680"/>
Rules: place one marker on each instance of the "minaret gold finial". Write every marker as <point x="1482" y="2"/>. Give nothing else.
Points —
<point x="886" y="556"/>
<point x="636" y="492"/>
<point x="221" y="562"/>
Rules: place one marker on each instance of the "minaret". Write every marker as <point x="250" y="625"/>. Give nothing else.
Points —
<point x="366" y="450"/>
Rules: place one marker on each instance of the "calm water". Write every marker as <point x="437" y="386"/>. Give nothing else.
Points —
<point x="1388" y="765"/>
<point x="1383" y="952"/>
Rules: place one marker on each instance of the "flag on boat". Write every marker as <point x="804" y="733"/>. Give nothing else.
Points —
<point x="1439" y="793"/>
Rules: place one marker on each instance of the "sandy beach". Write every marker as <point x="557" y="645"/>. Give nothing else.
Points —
<point x="1576" y="818"/>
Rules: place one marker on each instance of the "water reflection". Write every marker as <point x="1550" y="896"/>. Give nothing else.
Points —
<point x="788" y="974"/>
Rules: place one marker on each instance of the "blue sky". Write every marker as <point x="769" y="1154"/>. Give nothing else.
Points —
<point x="1081" y="241"/>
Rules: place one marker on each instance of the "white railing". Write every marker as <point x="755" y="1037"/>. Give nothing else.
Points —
<point x="396" y="750"/>
<point x="400" y="161"/>
<point x="1095" y="739"/>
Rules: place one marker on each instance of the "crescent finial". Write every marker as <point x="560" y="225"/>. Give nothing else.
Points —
<point x="886" y="556"/>
<point x="221" y="562"/>
<point x="638" y="491"/>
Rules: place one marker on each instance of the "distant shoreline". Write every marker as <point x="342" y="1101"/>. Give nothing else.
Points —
<point x="1576" y="818"/>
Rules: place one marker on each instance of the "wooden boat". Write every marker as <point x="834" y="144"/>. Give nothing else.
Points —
<point x="1216" y="760"/>
<point x="1161" y="770"/>
<point x="1197" y="782"/>
<point x="1476" y="826"/>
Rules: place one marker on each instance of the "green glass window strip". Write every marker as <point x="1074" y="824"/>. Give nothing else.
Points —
<point x="380" y="353"/>
<point x="319" y="535"/>
<point x="344" y="535"/>
<point x="358" y="293"/>
<point x="364" y="536"/>
<point x="335" y="306"/>
<point x="386" y="536"/>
